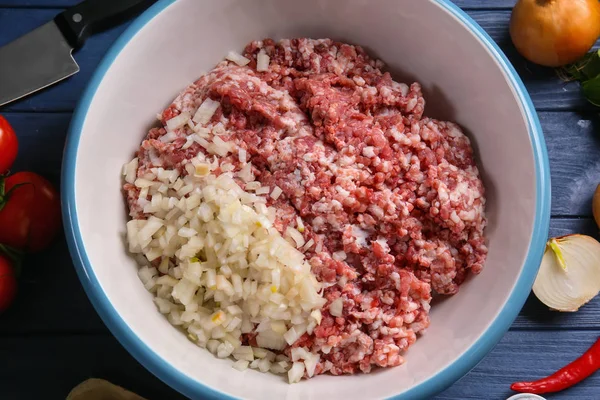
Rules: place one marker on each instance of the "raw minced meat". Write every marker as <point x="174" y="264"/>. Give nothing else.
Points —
<point x="391" y="201"/>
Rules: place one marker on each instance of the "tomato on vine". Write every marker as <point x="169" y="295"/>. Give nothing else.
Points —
<point x="29" y="212"/>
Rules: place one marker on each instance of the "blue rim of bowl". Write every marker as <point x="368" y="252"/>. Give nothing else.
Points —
<point x="194" y="389"/>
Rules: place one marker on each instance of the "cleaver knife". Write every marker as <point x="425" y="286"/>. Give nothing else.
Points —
<point x="44" y="56"/>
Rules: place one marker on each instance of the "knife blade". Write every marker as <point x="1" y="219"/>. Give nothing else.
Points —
<point x="35" y="61"/>
<point x="44" y="56"/>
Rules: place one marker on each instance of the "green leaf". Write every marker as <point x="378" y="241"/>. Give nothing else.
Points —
<point x="587" y="72"/>
<point x="586" y="68"/>
<point x="591" y="90"/>
<point x="574" y="72"/>
<point x="591" y="68"/>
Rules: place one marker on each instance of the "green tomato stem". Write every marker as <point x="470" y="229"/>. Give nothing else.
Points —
<point x="4" y="195"/>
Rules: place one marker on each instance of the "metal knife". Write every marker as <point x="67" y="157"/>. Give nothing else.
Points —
<point x="44" y="56"/>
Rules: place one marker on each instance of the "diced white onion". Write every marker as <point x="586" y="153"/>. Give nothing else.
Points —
<point x="310" y="362"/>
<point x="296" y="236"/>
<point x="262" y="61"/>
<point x="300" y="224"/>
<point x="242" y="155"/>
<point x="296" y="372"/>
<point x="336" y="307"/>
<point x="206" y="111"/>
<point x="262" y="190"/>
<point x="241" y="365"/>
<point x="276" y="192"/>
<point x="237" y="58"/>
<point x="178" y="121"/>
<point x="168" y="137"/>
<point x="308" y="245"/>
<point x="225" y="270"/>
<point x="130" y="170"/>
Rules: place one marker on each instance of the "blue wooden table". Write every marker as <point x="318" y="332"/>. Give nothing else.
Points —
<point x="52" y="339"/>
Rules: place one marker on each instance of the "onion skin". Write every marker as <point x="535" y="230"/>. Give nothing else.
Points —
<point x="596" y="206"/>
<point x="555" y="32"/>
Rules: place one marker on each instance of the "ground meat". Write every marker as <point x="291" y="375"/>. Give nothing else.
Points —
<point x="392" y="200"/>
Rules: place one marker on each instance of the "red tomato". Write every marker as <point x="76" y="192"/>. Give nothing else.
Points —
<point x="8" y="145"/>
<point x="8" y="284"/>
<point x="30" y="218"/>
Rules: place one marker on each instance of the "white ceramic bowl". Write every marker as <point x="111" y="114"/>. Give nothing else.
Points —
<point x="466" y="78"/>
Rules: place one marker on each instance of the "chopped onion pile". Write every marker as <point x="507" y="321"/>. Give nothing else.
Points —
<point x="569" y="275"/>
<point x="214" y="261"/>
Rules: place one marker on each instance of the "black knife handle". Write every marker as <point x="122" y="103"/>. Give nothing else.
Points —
<point x="92" y="16"/>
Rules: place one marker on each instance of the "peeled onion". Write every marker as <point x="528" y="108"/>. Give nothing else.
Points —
<point x="569" y="275"/>
<point x="555" y="32"/>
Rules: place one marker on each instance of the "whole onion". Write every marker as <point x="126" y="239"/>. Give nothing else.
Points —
<point x="555" y="32"/>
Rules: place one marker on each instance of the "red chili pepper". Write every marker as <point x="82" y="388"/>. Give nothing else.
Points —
<point x="565" y="377"/>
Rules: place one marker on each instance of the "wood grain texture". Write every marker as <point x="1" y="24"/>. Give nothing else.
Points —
<point x="51" y="366"/>
<point x="41" y="141"/>
<point x="51" y="299"/>
<point x="574" y="152"/>
<point x="547" y="91"/>
<point x="526" y="356"/>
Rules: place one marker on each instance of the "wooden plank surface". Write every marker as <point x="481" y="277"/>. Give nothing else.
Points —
<point x="526" y="356"/>
<point x="53" y="365"/>
<point x="48" y="367"/>
<point x="574" y="153"/>
<point x="547" y="91"/>
<point x="41" y="140"/>
<point x="51" y="299"/>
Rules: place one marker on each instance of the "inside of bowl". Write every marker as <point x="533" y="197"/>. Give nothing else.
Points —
<point x="418" y="40"/>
